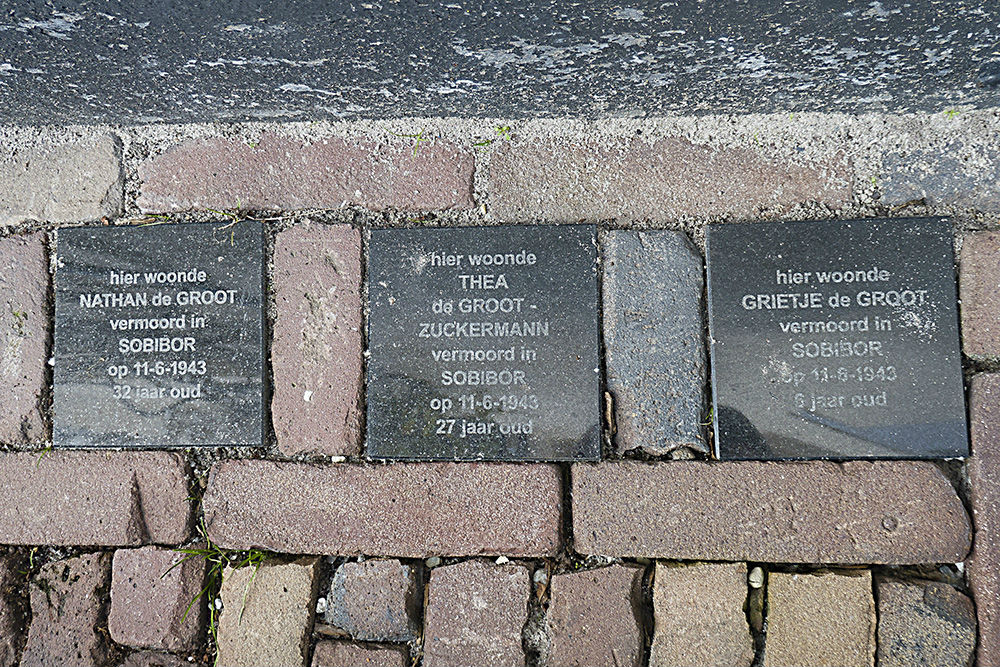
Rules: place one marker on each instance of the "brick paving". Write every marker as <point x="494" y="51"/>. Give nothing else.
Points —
<point x="94" y="498"/>
<point x="267" y="614"/>
<point x="592" y="619"/>
<point x="699" y="616"/>
<point x="84" y="535"/>
<point x="77" y="181"/>
<point x="820" y="620"/>
<point x="24" y="285"/>
<point x="151" y="589"/>
<point x="67" y="601"/>
<point x="316" y="350"/>
<point x="634" y="180"/>
<point x="280" y="173"/>
<point x="893" y="512"/>
<point x="475" y="613"/>
<point x="407" y="510"/>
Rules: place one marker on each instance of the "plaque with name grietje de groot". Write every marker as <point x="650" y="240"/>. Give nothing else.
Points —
<point x="159" y="336"/>
<point x="835" y="339"/>
<point x="483" y="344"/>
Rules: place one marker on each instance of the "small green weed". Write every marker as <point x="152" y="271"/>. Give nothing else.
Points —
<point x="502" y="133"/>
<point x="418" y="138"/>
<point x="42" y="454"/>
<point x="218" y="560"/>
<point x="710" y="418"/>
<point x="20" y="317"/>
<point x="154" y="219"/>
<point x="951" y="113"/>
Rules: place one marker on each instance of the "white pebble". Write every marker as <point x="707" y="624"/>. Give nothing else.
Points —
<point x="502" y="560"/>
<point x="756" y="577"/>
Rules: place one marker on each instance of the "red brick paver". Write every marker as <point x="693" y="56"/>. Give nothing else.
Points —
<point x="592" y="618"/>
<point x="979" y="290"/>
<point x="316" y="353"/>
<point x="150" y="593"/>
<point x="94" y="498"/>
<point x="892" y="512"/>
<point x="475" y="613"/>
<point x="24" y="329"/>
<point x="984" y="476"/>
<point x="562" y="181"/>
<point x="283" y="173"/>
<point x="67" y="598"/>
<point x="407" y="510"/>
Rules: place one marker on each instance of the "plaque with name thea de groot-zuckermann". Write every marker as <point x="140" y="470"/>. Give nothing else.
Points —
<point x="159" y="336"/>
<point x="483" y="344"/>
<point x="835" y="340"/>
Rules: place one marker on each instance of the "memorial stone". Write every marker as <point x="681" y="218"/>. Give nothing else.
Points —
<point x="483" y="344"/>
<point x="835" y="339"/>
<point x="159" y="336"/>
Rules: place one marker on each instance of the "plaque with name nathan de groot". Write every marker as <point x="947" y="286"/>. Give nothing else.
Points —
<point x="159" y="336"/>
<point x="835" y="340"/>
<point x="483" y="344"/>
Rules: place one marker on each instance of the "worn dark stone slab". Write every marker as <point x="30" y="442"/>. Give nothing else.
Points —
<point x="159" y="336"/>
<point x="959" y="174"/>
<point x="835" y="340"/>
<point x="654" y="339"/>
<point x="483" y="362"/>
<point x="144" y="62"/>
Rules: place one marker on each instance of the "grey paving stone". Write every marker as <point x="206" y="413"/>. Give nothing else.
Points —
<point x="654" y="335"/>
<point x="820" y="620"/>
<point x="72" y="182"/>
<point x="374" y="600"/>
<point x="924" y="623"/>
<point x="267" y="614"/>
<point x="698" y="616"/>
<point x="957" y="174"/>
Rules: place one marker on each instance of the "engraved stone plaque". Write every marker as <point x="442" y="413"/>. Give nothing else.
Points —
<point x="835" y="340"/>
<point x="483" y="344"/>
<point x="159" y="336"/>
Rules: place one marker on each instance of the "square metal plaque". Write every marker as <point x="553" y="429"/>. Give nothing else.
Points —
<point x="159" y="336"/>
<point x="483" y="344"/>
<point x="835" y="339"/>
